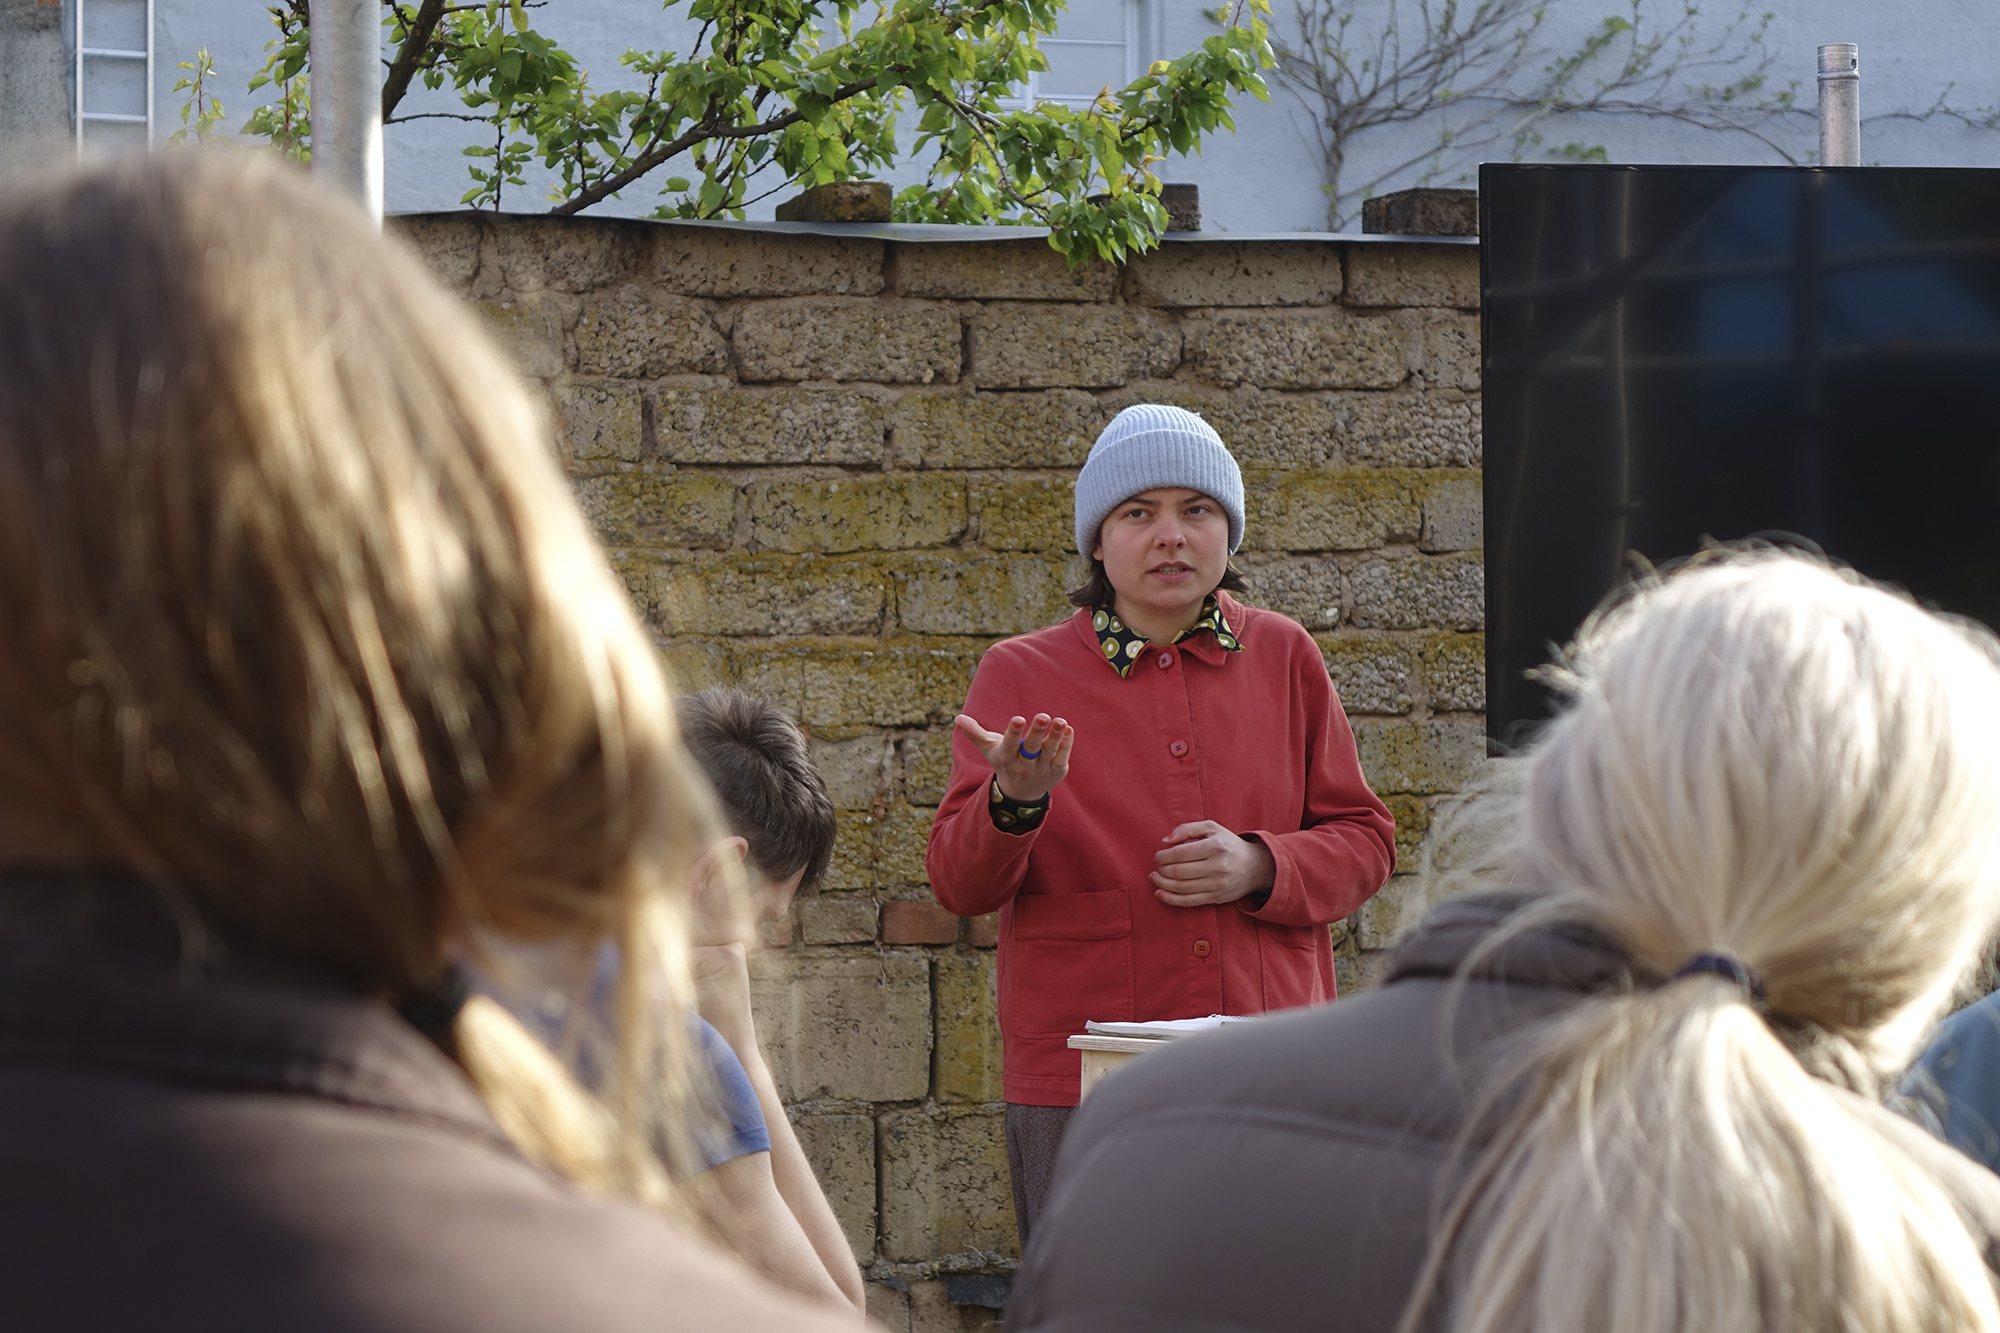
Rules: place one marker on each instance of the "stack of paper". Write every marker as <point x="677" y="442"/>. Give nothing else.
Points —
<point x="1163" y="1029"/>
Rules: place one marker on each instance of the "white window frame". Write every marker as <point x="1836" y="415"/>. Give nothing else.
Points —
<point x="1133" y="65"/>
<point x="84" y="54"/>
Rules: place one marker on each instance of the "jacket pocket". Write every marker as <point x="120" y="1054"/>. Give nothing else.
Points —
<point x="1292" y="965"/>
<point x="1071" y="963"/>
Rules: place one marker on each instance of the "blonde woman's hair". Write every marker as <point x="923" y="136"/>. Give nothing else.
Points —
<point x="1771" y="760"/>
<point x="299" y="619"/>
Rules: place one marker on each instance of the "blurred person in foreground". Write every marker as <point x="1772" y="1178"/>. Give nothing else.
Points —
<point x="1636" y="1090"/>
<point x="313" y="682"/>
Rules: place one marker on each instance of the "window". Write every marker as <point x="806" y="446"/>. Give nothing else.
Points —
<point x="1096" y="45"/>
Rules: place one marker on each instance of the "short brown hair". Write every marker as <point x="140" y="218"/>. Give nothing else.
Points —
<point x="755" y="757"/>
<point x="1097" y="590"/>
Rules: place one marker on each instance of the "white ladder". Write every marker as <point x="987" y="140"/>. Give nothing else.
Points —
<point x="101" y="61"/>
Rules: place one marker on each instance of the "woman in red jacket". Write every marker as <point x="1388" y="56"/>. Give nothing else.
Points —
<point x="1213" y="817"/>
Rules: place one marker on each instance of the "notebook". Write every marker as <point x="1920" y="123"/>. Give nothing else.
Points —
<point x="1164" y="1028"/>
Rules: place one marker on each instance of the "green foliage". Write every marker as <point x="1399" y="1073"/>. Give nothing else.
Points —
<point x="201" y="111"/>
<point x="286" y="123"/>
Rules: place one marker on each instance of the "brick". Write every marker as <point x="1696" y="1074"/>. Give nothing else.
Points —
<point x="632" y="332"/>
<point x="1289" y="430"/>
<point x="1419" y="758"/>
<point x="1455" y="672"/>
<point x="1372" y="674"/>
<point x="1024" y="270"/>
<point x="983" y="932"/>
<point x="906" y="835"/>
<point x="1454" y="512"/>
<point x="447" y="244"/>
<point x="837" y="338"/>
<point x="1410" y="430"/>
<point x="1362" y="972"/>
<point x="1320" y="349"/>
<point x="945" y="430"/>
<point x="1413" y="821"/>
<point x="1442" y="346"/>
<point x="1424" y="592"/>
<point x="565" y="254"/>
<point x="854" y="1026"/>
<point x="530" y="331"/>
<point x="601" y="419"/>
<point x="837" y="684"/>
<point x="751" y="426"/>
<point x="857" y="771"/>
<point x="1387" y="917"/>
<point x="944" y="1184"/>
<point x="739" y="594"/>
<point x="1334" y="509"/>
<point x="647" y="506"/>
<point x="918" y="923"/>
<point x="730" y="262"/>
<point x="858" y="513"/>
<point x="841" y="1151"/>
<point x="1306" y="588"/>
<point x="1074" y="347"/>
<point x="1413" y="275"/>
<point x="837" y="920"/>
<point x="967" y="1052"/>
<point x="1024" y="513"/>
<point x="983" y="594"/>
<point x="926" y="766"/>
<point x="1236" y="273"/>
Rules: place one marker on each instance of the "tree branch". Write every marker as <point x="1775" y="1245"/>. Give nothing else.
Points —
<point x="410" y="55"/>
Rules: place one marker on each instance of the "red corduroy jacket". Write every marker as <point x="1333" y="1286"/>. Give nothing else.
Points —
<point x="1255" y="740"/>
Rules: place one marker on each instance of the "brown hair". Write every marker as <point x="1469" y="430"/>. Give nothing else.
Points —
<point x="756" y="759"/>
<point x="298" y="618"/>
<point x="1097" y="591"/>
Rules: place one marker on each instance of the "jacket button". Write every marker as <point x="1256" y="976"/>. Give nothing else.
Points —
<point x="1177" y="749"/>
<point x="1166" y="660"/>
<point x="1201" y="948"/>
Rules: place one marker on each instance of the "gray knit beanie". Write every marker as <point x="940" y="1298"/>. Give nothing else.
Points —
<point x="1149" y="445"/>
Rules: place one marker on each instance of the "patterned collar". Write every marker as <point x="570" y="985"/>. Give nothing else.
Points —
<point x="1122" y="646"/>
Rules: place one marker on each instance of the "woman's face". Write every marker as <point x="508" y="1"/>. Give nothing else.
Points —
<point x="1165" y="550"/>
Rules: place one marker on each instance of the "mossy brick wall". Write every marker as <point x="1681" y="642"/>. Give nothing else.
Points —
<point x="836" y="469"/>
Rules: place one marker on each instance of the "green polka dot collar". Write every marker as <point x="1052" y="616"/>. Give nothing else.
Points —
<point x="1122" y="646"/>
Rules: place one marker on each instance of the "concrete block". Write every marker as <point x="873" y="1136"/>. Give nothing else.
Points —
<point x="899" y="857"/>
<point x="1025" y="270"/>
<point x="853" y="1026"/>
<point x="1445" y="276"/>
<point x="1332" y="509"/>
<point x="1387" y="917"/>
<point x="601" y="419"/>
<point x="1455" y="672"/>
<point x="839" y="201"/>
<point x="1372" y="674"/>
<point x="968" y="1026"/>
<point x="739" y="594"/>
<point x="918" y="923"/>
<point x="889" y="1305"/>
<point x="447" y="244"/>
<point x="1413" y="821"/>
<point x="1410" y="430"/>
<point x="944" y="1184"/>
<point x="742" y="427"/>
<point x="641" y="505"/>
<point x="838" y="338"/>
<point x="1023" y="513"/>
<point x="1454" y="512"/>
<point x="857" y="772"/>
<point x="948" y="430"/>
<point x="1237" y="273"/>
<point x="859" y="513"/>
<point x="841" y="1151"/>
<point x="1423" y="211"/>
<point x="633" y="332"/>
<point x="926" y="766"/>
<point x="1324" y="348"/>
<point x="1443" y="348"/>
<point x="984" y="594"/>
<point x="1286" y="430"/>
<point x="1419" y="758"/>
<point x="838" y="920"/>
<point x="725" y="262"/>
<point x="1077" y="347"/>
<point x="529" y="330"/>
<point x="840" y="683"/>
<point x="566" y="254"/>
<point x="1421" y="592"/>
<point x="1306" y="588"/>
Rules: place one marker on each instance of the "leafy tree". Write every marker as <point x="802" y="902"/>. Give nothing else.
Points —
<point x="809" y="92"/>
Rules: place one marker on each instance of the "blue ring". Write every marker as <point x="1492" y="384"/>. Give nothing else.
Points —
<point x="1024" y="751"/>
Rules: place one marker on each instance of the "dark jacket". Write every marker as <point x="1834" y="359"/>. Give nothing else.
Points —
<point x="1282" y="1175"/>
<point x="240" y="1145"/>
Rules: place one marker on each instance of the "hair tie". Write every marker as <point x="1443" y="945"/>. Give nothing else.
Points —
<point x="434" y="1009"/>
<point x="1727" y="966"/>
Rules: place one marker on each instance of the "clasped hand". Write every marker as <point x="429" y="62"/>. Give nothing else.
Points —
<point x="1205" y="864"/>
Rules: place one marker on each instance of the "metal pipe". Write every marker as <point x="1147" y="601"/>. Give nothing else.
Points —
<point x="347" y="98"/>
<point x="1840" y="105"/>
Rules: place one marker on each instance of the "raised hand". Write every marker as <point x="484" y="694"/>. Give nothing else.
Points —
<point x="1028" y="758"/>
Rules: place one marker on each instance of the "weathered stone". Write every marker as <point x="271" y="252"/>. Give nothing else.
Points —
<point x="944" y="1190"/>
<point x="728" y="262"/>
<point x="941" y="430"/>
<point x="1419" y="758"/>
<point x="639" y="505"/>
<point x="841" y="1151"/>
<point x="529" y="330"/>
<point x="1455" y="672"/>
<point x="637" y="333"/>
<point x="926" y="766"/>
<point x="855" y="1026"/>
<point x="861" y="513"/>
<point x="749" y="426"/>
<point x="1409" y="430"/>
<point x="1285" y="430"/>
<point x="1362" y="972"/>
<point x="1388" y="916"/>
<point x="448" y="244"/>
<point x="565" y="254"/>
<point x="1454" y="512"/>
<point x="769" y="594"/>
<point x="1423" y="592"/>
<point x="983" y="594"/>
<point x="932" y="1310"/>
<point x="1326" y="348"/>
<point x="844" y="683"/>
<point x="856" y="772"/>
<point x="837" y="920"/>
<point x="698" y="665"/>
<point x="1371" y="674"/>
<point x="968" y="1028"/>
<point x="1413" y="275"/>
<point x="889" y="1305"/>
<point x="839" y="338"/>
<point x="1025" y="270"/>
<point x="852" y="866"/>
<point x="1423" y="211"/>
<point x="839" y="201"/>
<point x="1024" y="513"/>
<point x="1057" y="347"/>
<point x="1413" y="820"/>
<point x="912" y="922"/>
<point x="1236" y="273"/>
<point x="1334" y="509"/>
<point x="906" y="835"/>
<point x="1442" y="347"/>
<point x="601" y="419"/>
<point x="1306" y="588"/>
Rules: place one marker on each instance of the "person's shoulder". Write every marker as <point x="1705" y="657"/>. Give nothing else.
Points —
<point x="1269" y="634"/>
<point x="1062" y="639"/>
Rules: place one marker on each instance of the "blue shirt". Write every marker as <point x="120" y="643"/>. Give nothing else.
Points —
<point x="746" y="1132"/>
<point x="1954" y="1090"/>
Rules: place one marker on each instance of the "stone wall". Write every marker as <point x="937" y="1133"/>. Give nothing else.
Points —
<point x="835" y="469"/>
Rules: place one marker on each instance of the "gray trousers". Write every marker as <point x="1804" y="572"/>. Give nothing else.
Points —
<point x="1033" y="1135"/>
